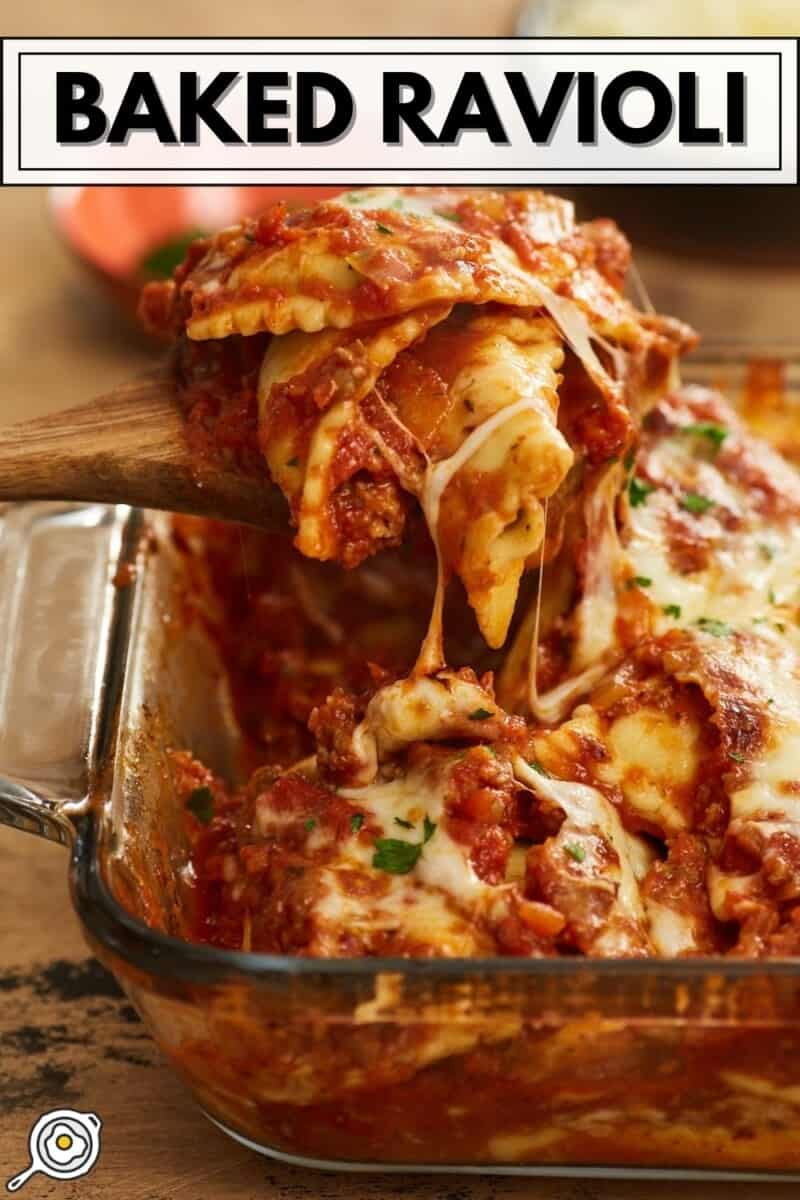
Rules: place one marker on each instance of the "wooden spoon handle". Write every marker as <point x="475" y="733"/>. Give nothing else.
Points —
<point x="128" y="447"/>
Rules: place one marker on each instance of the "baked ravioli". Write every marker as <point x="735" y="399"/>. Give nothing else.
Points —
<point x="463" y="354"/>
<point x="527" y="681"/>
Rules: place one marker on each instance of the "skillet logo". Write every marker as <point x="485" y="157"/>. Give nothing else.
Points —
<point x="63" y="1144"/>
<point x="521" y="111"/>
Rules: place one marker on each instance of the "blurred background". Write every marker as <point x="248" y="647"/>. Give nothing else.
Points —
<point x="725" y="258"/>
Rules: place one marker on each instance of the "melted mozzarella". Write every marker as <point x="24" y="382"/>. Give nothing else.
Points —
<point x="761" y="673"/>
<point x="671" y="932"/>
<point x="422" y="914"/>
<point x="749" y="559"/>
<point x="443" y="863"/>
<point x="419" y="708"/>
<point x="653" y="758"/>
<point x="595" y="615"/>
<point x="440" y="474"/>
<point x="579" y="334"/>
<point x="588" y="811"/>
<point x="441" y="902"/>
<point x="508" y="385"/>
<point x="422" y="709"/>
<point x="751" y="578"/>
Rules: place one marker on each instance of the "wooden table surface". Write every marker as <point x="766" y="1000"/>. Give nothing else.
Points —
<point x="67" y="1036"/>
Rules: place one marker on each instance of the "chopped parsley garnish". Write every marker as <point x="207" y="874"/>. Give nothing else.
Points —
<point x="405" y="824"/>
<point x="356" y="821"/>
<point x="397" y="857"/>
<point x="693" y="502"/>
<point x="638" y="581"/>
<point x="771" y="596"/>
<point x="383" y="228"/>
<point x="672" y="610"/>
<point x="449" y="216"/>
<point x="575" y="851"/>
<point x="201" y="804"/>
<point x="766" y="552"/>
<point x="162" y="261"/>
<point x="714" y="433"/>
<point x="293" y="462"/>
<point x="713" y="626"/>
<point x="638" y="491"/>
<point x="538" y="768"/>
<point x="353" y="197"/>
<point x="310" y="824"/>
<point x="398" y="203"/>
<point x="736" y="756"/>
<point x="480" y="714"/>
<point x="629" y="459"/>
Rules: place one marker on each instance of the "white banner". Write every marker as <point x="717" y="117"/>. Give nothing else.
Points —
<point x="504" y="111"/>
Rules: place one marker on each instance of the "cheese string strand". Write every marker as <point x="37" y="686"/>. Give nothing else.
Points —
<point x="437" y="478"/>
<point x="638" y="284"/>
<point x="593" y="663"/>
<point x="533" y="659"/>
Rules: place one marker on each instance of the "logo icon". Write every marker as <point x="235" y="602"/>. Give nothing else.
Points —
<point x="63" y="1144"/>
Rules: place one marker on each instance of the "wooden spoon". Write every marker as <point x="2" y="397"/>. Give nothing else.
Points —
<point x="129" y="447"/>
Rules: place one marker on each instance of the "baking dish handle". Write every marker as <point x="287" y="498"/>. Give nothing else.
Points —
<point x="67" y="588"/>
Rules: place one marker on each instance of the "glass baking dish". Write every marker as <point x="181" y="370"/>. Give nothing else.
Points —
<point x="680" y="1069"/>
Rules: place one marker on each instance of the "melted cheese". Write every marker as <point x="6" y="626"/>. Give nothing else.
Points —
<point x="671" y="932"/>
<point x="579" y="335"/>
<point x="588" y="812"/>
<point x="774" y="773"/>
<point x="423" y="915"/>
<point x="423" y="709"/>
<point x="649" y="762"/>
<point x="737" y="559"/>
<point x="418" y="709"/>
<point x="652" y="758"/>
<point x="595" y="616"/>
<point x="443" y="863"/>
<point x="355" y="281"/>
<point x="513" y="536"/>
<point x="760" y="673"/>
<point x="502" y="420"/>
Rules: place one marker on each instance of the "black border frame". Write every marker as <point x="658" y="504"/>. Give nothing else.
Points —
<point x="383" y="171"/>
